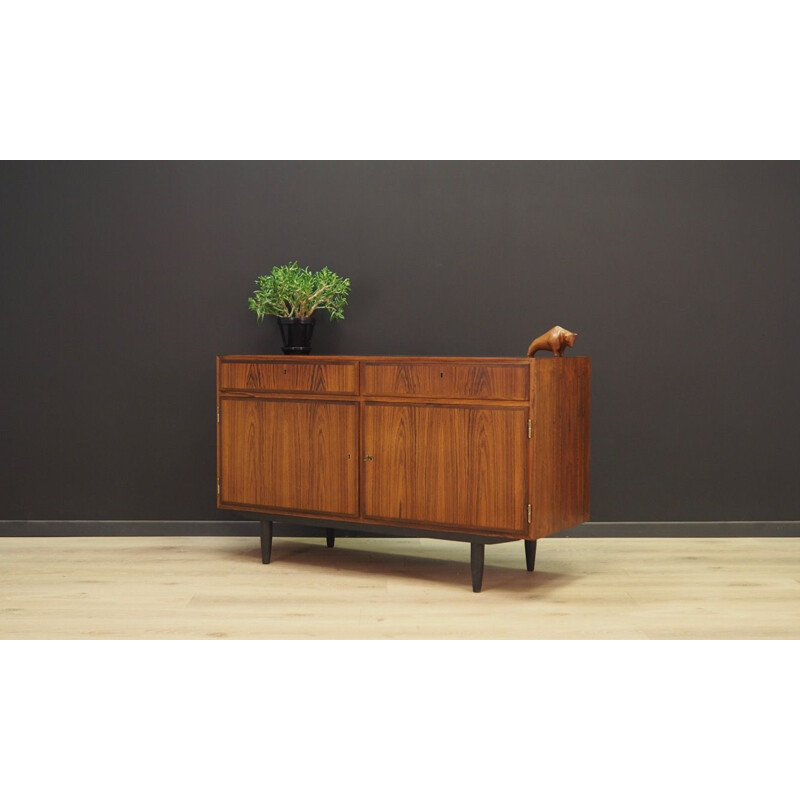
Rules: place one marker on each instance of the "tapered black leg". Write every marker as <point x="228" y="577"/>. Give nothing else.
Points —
<point x="330" y="537"/>
<point x="530" y="553"/>
<point x="476" y="562"/>
<point x="266" y="541"/>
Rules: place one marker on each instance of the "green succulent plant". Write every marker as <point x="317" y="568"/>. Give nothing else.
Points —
<point x="294" y="291"/>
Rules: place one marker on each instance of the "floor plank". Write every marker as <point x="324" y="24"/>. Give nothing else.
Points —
<point x="216" y="587"/>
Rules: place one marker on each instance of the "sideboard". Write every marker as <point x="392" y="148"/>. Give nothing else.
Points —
<point x="481" y="450"/>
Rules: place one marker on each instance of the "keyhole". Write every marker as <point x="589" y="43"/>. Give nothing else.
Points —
<point x="441" y="374"/>
<point x="284" y="372"/>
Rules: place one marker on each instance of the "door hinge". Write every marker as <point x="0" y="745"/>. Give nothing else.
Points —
<point x="530" y="427"/>
<point x="529" y="513"/>
<point x="217" y="413"/>
<point x="218" y="490"/>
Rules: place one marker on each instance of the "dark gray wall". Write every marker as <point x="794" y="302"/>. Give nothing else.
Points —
<point x="122" y="281"/>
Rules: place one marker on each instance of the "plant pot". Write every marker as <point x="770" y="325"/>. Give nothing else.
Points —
<point x="296" y="334"/>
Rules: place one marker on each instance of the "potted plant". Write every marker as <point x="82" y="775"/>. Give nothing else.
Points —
<point x="292" y="294"/>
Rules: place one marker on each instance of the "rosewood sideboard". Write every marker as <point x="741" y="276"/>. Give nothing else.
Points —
<point x="481" y="450"/>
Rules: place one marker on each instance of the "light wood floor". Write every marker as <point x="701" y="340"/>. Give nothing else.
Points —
<point x="196" y="588"/>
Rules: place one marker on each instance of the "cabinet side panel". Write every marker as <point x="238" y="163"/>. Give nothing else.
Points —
<point x="219" y="454"/>
<point x="561" y="427"/>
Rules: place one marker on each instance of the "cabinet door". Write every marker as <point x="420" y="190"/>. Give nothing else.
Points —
<point x="462" y="467"/>
<point x="291" y="455"/>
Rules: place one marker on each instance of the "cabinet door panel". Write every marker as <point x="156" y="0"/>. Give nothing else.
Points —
<point x="456" y="466"/>
<point x="292" y="455"/>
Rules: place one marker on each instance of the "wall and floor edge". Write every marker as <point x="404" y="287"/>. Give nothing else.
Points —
<point x="51" y="528"/>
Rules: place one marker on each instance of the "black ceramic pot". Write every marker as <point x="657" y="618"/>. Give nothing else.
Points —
<point x="296" y="334"/>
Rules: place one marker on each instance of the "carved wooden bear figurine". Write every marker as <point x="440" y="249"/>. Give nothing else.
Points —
<point x="557" y="339"/>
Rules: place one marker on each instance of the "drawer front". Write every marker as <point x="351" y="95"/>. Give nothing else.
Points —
<point x="445" y="380"/>
<point x="288" y="376"/>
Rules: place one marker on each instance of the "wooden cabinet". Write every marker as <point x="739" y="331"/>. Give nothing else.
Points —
<point x="482" y="450"/>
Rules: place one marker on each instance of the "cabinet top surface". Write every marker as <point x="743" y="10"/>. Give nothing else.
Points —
<point x="457" y="359"/>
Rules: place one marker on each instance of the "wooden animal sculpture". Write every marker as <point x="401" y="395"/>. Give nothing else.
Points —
<point x="557" y="339"/>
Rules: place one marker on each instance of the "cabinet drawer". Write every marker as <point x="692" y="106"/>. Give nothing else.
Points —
<point x="288" y="376"/>
<point x="446" y="380"/>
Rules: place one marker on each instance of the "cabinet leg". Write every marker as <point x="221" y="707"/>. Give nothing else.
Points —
<point x="330" y="536"/>
<point x="476" y="562"/>
<point x="530" y="553"/>
<point x="266" y="542"/>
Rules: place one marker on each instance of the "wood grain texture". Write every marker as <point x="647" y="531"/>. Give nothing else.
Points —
<point x="561" y="428"/>
<point x="289" y="375"/>
<point x="216" y="588"/>
<point x="291" y="455"/>
<point x="449" y="465"/>
<point x="445" y="379"/>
